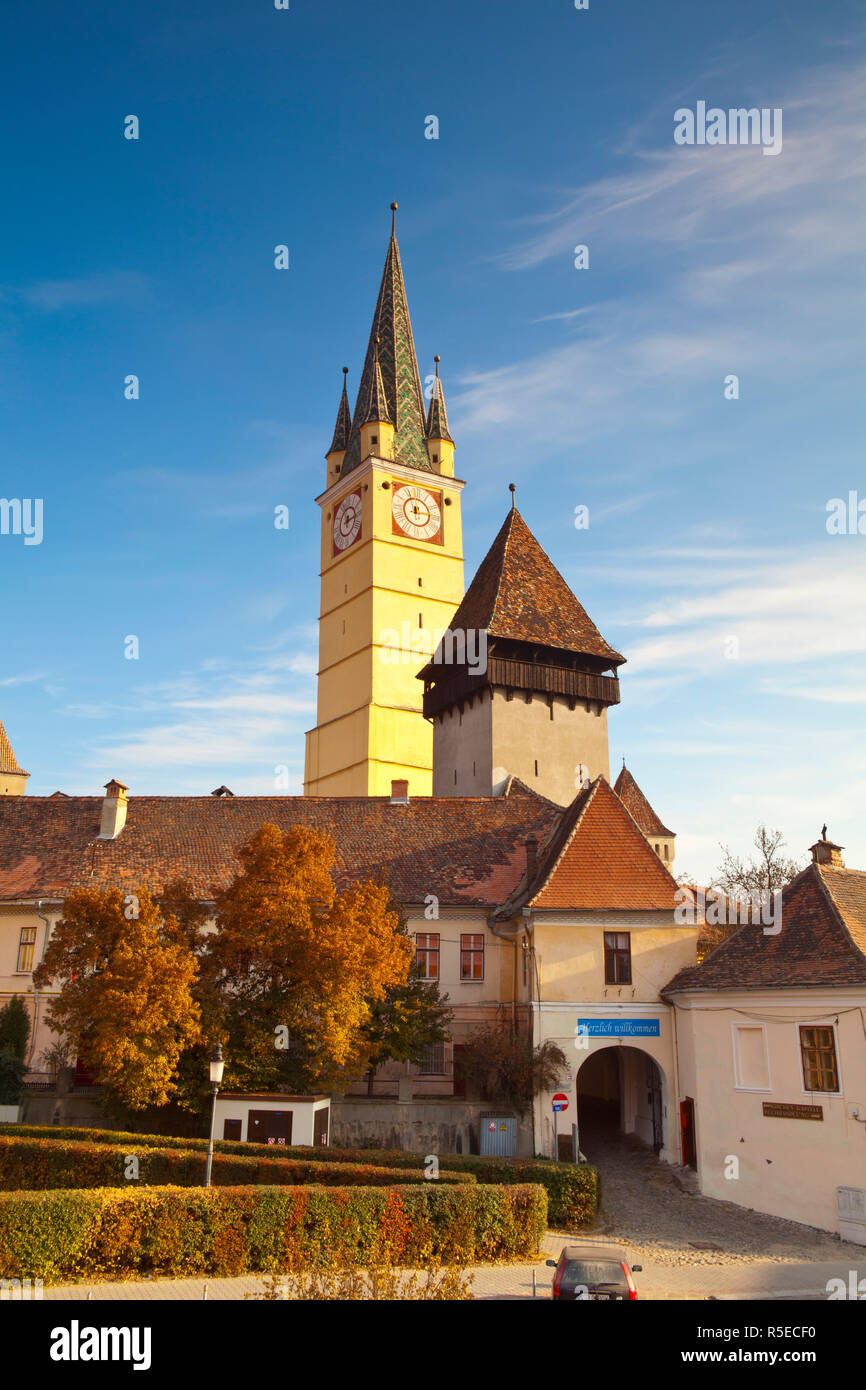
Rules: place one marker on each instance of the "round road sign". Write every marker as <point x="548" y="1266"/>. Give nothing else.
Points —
<point x="560" y="1101"/>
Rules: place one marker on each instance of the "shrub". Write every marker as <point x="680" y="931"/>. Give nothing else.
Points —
<point x="573" y="1190"/>
<point x="107" y="1233"/>
<point x="12" y="1071"/>
<point x="30" y="1165"/>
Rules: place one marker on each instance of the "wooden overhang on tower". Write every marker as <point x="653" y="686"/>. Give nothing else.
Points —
<point x="539" y="639"/>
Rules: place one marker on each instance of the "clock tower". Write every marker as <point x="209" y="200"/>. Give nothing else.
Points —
<point x="391" y="565"/>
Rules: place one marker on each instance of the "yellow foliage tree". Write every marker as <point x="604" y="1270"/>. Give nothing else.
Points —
<point x="126" y="997"/>
<point x="296" y="965"/>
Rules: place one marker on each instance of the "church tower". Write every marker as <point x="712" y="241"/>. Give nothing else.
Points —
<point x="391" y="565"/>
<point x="13" y="779"/>
<point x="531" y="698"/>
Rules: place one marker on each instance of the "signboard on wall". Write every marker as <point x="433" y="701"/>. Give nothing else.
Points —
<point x="618" y="1027"/>
<point x="792" y="1112"/>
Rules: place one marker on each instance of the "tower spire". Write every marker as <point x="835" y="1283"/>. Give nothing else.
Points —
<point x="437" y="417"/>
<point x="344" y="420"/>
<point x="391" y="346"/>
<point x="13" y="778"/>
<point x="376" y="410"/>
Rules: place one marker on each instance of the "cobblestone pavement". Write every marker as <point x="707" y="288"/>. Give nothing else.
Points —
<point x="644" y="1205"/>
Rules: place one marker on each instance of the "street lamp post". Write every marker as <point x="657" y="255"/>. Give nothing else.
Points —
<point x="216" y="1075"/>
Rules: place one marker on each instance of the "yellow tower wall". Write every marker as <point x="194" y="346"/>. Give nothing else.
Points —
<point x="370" y="729"/>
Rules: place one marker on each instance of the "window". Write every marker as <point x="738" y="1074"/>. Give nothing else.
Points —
<point x="617" y="958"/>
<point x="427" y="954"/>
<point x="751" y="1064"/>
<point x="25" y="948"/>
<point x="818" y="1051"/>
<point x="472" y="956"/>
<point x="432" y="1062"/>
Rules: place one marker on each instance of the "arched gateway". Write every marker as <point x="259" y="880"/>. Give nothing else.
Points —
<point x="622" y="1089"/>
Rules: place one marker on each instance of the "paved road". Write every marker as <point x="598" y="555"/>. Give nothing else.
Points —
<point x="756" y="1279"/>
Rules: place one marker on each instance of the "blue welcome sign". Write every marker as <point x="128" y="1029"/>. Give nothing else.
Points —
<point x="618" y="1027"/>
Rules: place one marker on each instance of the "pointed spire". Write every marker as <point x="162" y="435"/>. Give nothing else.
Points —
<point x="376" y="410"/>
<point x="344" y="421"/>
<point x="392" y="347"/>
<point x="437" y="418"/>
<point x="8" y="760"/>
<point x="517" y="593"/>
<point x="637" y="805"/>
<point x="13" y="778"/>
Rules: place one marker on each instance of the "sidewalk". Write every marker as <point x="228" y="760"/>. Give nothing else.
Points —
<point x="755" y="1280"/>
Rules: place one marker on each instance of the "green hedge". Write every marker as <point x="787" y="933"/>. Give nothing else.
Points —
<point x="573" y="1190"/>
<point x="109" y="1233"/>
<point x="31" y="1165"/>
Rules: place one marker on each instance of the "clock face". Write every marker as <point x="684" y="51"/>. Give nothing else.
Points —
<point x="347" y="521"/>
<point x="416" y="512"/>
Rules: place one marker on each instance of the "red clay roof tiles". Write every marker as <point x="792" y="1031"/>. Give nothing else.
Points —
<point x="821" y="942"/>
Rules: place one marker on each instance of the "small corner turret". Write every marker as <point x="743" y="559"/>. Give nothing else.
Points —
<point x="440" y="445"/>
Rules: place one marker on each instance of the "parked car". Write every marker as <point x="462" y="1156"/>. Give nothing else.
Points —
<point x="590" y="1271"/>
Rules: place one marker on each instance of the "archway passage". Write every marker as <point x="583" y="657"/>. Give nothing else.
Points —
<point x="620" y="1091"/>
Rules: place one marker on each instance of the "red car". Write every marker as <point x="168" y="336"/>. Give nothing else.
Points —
<point x="590" y="1271"/>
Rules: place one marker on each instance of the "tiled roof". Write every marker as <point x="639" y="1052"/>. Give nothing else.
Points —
<point x="462" y="849"/>
<point x="596" y="858"/>
<point x="637" y="805"/>
<point x="822" y="941"/>
<point x="344" y="421"/>
<point x="392" y="331"/>
<point x="518" y="593"/>
<point x="437" y="416"/>
<point x="8" y="760"/>
<point x="376" y="408"/>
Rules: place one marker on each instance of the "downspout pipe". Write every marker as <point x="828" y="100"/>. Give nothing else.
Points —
<point x="41" y="915"/>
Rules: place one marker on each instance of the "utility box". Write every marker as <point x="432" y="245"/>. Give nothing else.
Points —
<point x="851" y="1210"/>
<point x="272" y="1118"/>
<point x="498" y="1136"/>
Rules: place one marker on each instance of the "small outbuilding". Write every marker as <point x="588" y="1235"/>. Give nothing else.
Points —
<point x="270" y="1118"/>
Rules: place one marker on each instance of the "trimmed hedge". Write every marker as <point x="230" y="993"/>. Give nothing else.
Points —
<point x="573" y="1190"/>
<point x="30" y="1165"/>
<point x="107" y="1233"/>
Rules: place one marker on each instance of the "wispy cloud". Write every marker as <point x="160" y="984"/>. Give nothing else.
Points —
<point x="247" y="720"/>
<point x="86" y="291"/>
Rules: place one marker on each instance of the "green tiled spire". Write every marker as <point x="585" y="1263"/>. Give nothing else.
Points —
<point x="377" y="407"/>
<point x="344" y="421"/>
<point x="398" y="365"/>
<point x="437" y="417"/>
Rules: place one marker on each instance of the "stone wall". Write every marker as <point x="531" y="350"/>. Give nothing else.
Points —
<point x="424" y="1126"/>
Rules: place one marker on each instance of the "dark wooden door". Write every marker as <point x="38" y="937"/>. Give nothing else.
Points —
<point x="320" y="1127"/>
<point x="232" y="1129"/>
<point x="270" y="1127"/>
<point x="687" y="1127"/>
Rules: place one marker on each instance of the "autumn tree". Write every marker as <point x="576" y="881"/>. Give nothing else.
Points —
<point x="766" y="871"/>
<point x="410" y="1018"/>
<point x="14" y="1028"/>
<point x="502" y="1063"/>
<point x="296" y="967"/>
<point x="126" y="1000"/>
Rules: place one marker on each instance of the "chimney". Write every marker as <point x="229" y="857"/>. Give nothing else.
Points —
<point x="113" y="810"/>
<point x="825" y="852"/>
<point x="531" y="856"/>
<point x="400" y="793"/>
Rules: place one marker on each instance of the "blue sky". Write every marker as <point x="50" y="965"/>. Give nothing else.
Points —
<point x="601" y="387"/>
